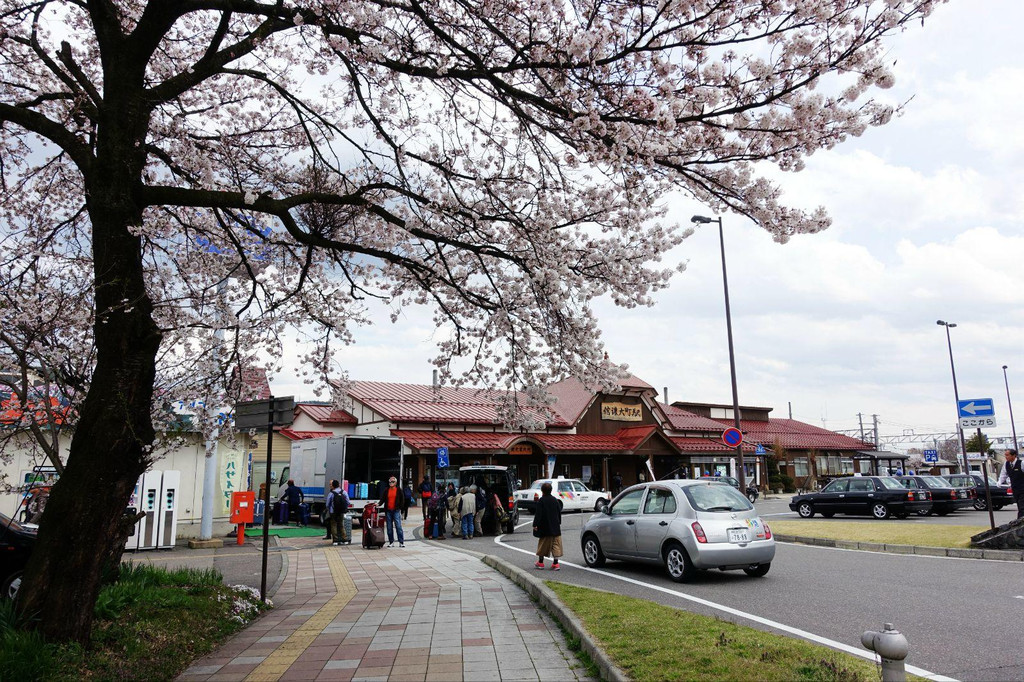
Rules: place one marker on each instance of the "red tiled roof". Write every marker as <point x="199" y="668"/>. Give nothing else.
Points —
<point x="797" y="435"/>
<point x="326" y="414"/>
<point x="291" y="434"/>
<point x="708" y="445"/>
<point x="553" y="442"/>
<point x="572" y="399"/>
<point x="463" y="440"/>
<point x="682" y="420"/>
<point x="633" y="436"/>
<point x="425" y="404"/>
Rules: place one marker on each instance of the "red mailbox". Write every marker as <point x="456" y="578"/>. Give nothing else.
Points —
<point x="243" y="506"/>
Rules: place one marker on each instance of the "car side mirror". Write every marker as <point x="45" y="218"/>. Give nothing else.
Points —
<point x="606" y="509"/>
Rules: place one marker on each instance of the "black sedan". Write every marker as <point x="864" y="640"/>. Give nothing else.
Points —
<point x="16" y="542"/>
<point x="945" y="497"/>
<point x="1001" y="495"/>
<point x="878" y="496"/>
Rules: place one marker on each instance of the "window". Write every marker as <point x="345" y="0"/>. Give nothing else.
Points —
<point x="800" y="466"/>
<point x="716" y="498"/>
<point x="580" y="488"/>
<point x="628" y="503"/>
<point x="909" y="483"/>
<point x="564" y="487"/>
<point x="821" y="464"/>
<point x="846" y="465"/>
<point x="837" y="486"/>
<point x="861" y="485"/>
<point x="660" y="501"/>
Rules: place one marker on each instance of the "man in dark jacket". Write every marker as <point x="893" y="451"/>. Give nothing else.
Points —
<point x="426" y="490"/>
<point x="393" y="502"/>
<point x="1013" y="475"/>
<point x="337" y="508"/>
<point x="547" y="527"/>
<point x="294" y="497"/>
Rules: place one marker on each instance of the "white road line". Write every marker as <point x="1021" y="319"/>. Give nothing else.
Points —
<point x="914" y="670"/>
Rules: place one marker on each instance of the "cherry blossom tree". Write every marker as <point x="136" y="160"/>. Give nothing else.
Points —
<point x="222" y="173"/>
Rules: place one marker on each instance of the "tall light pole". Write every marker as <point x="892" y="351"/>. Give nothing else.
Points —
<point x="1013" y="428"/>
<point x="702" y="220"/>
<point x="956" y="394"/>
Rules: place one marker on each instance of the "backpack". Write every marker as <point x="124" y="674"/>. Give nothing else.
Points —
<point x="337" y="503"/>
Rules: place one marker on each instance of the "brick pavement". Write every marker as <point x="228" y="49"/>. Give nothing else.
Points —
<point x="420" y="613"/>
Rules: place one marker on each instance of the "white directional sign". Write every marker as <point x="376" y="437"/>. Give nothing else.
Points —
<point x="976" y="413"/>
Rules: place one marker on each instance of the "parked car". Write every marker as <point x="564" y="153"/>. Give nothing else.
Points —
<point x="16" y="543"/>
<point x="945" y="498"/>
<point x="573" y="493"/>
<point x="731" y="480"/>
<point x="686" y="525"/>
<point x="1001" y="495"/>
<point x="878" y="496"/>
<point x="497" y="480"/>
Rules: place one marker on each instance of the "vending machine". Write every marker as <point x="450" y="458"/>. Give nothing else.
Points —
<point x="167" y="514"/>
<point x="147" y="528"/>
<point x="132" y="543"/>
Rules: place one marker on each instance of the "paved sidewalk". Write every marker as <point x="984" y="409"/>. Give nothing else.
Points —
<point x="421" y="612"/>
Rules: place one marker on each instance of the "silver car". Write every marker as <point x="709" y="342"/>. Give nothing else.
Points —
<point x="685" y="525"/>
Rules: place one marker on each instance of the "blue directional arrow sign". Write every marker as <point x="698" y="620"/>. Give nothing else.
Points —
<point x="976" y="413"/>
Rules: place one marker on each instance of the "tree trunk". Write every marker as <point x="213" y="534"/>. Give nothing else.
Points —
<point x="83" y="530"/>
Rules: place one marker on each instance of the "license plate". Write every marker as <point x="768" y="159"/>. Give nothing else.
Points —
<point x="738" y="535"/>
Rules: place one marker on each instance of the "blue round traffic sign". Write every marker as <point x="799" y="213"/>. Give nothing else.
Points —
<point x="732" y="437"/>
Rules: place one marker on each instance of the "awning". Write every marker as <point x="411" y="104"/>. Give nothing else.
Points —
<point x="880" y="455"/>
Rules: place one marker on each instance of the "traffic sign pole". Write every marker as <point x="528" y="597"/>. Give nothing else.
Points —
<point x="984" y="475"/>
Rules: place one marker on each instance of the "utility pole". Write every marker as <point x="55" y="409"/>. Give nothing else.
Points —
<point x="875" y="418"/>
<point x="860" y="418"/>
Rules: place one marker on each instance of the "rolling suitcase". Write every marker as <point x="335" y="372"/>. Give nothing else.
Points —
<point x="347" y="523"/>
<point x="303" y="514"/>
<point x="373" y="527"/>
<point x="281" y="513"/>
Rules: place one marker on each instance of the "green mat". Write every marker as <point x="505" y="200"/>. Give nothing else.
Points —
<point x="286" y="532"/>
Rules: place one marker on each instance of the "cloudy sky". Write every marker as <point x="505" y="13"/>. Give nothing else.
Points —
<point x="928" y="224"/>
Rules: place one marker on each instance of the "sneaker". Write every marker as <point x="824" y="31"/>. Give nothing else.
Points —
<point x="556" y="567"/>
<point x="401" y="544"/>
<point x="539" y="565"/>
<point x="336" y="544"/>
<point x="391" y="544"/>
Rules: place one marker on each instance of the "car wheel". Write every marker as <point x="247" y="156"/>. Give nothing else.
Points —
<point x="828" y="515"/>
<point x="510" y="527"/>
<point x="880" y="510"/>
<point x="805" y="510"/>
<point x="980" y="505"/>
<point x="758" y="570"/>
<point x="601" y="504"/>
<point x="678" y="564"/>
<point x="11" y="586"/>
<point x="592" y="554"/>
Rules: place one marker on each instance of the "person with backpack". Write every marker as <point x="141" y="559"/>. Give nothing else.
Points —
<point x="453" y="498"/>
<point x="407" y="491"/>
<point x="467" y="511"/>
<point x="337" y="508"/>
<point x="425" y="493"/>
<point x="481" y="509"/>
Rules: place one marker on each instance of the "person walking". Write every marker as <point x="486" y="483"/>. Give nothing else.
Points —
<point x="467" y="510"/>
<point x="407" y="491"/>
<point x="616" y="483"/>
<point x="437" y="508"/>
<point x="1012" y="475"/>
<point x="481" y="509"/>
<point x="453" y="510"/>
<point x="294" y="496"/>
<point x="547" y="527"/>
<point x="425" y="493"/>
<point x="337" y="507"/>
<point x="392" y="502"/>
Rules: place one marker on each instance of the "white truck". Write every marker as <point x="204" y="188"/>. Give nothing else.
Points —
<point x="363" y="461"/>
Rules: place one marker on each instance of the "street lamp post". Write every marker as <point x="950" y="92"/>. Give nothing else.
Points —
<point x="702" y="220"/>
<point x="956" y="394"/>
<point x="1013" y="428"/>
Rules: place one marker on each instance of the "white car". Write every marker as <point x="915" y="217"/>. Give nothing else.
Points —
<point x="574" y="495"/>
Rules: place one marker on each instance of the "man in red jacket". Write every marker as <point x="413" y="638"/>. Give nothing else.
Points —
<point x="393" y="502"/>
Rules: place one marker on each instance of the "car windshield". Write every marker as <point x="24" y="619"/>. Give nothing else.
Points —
<point x="8" y="522"/>
<point x="716" y="498"/>
<point x="890" y="483"/>
<point x="993" y="483"/>
<point x="537" y="484"/>
<point x="935" y="482"/>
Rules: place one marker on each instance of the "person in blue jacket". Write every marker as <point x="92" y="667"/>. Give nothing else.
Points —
<point x="294" y="497"/>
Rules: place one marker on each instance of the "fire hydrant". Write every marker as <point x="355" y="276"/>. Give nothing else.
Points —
<point x="892" y="647"/>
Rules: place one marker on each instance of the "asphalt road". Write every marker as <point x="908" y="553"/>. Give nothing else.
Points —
<point x="959" y="615"/>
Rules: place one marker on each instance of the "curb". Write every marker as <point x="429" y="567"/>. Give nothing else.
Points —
<point x="550" y="602"/>
<point x="955" y="552"/>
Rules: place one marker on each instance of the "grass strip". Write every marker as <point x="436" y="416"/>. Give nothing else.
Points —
<point x="649" y="641"/>
<point x="150" y="624"/>
<point x="888" y="532"/>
